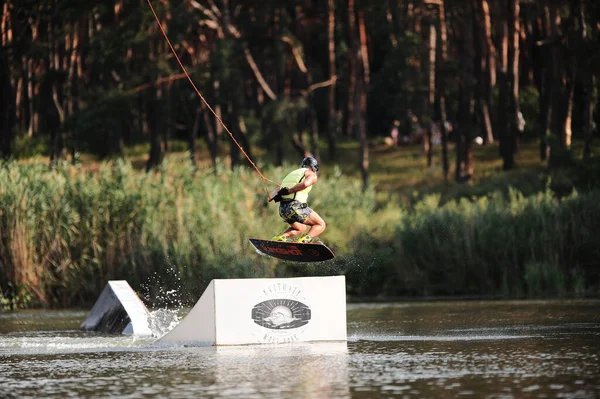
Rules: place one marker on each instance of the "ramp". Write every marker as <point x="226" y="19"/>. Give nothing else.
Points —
<point x="256" y="311"/>
<point x="119" y="310"/>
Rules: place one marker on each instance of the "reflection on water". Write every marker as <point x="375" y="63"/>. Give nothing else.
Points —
<point x="490" y="349"/>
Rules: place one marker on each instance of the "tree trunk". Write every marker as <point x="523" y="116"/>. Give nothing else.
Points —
<point x="591" y="99"/>
<point x="211" y="136"/>
<point x="464" y="152"/>
<point x="546" y="81"/>
<point x="331" y="113"/>
<point x="7" y="111"/>
<point x="218" y="128"/>
<point x="234" y="151"/>
<point x="483" y="63"/>
<point x="56" y="87"/>
<point x="360" y="77"/>
<point x="72" y="88"/>
<point x="566" y="132"/>
<point x="156" y="153"/>
<point x="431" y="94"/>
<point x="589" y="85"/>
<point x="391" y="16"/>
<point x="314" y="131"/>
<point x="351" y="119"/>
<point x="508" y="97"/>
<point x="32" y="92"/>
<point x="193" y="136"/>
<point x="441" y="89"/>
<point x="363" y="79"/>
<point x="238" y="129"/>
<point x="514" y="51"/>
<point x="572" y="65"/>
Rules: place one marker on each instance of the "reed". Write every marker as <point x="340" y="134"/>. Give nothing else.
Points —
<point x="502" y="246"/>
<point x="64" y="232"/>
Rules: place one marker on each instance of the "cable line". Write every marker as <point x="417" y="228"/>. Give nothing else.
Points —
<point x="264" y="179"/>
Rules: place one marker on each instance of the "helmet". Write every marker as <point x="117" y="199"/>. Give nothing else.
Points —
<point x="311" y="163"/>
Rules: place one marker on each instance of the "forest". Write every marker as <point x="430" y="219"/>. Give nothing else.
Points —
<point x="232" y="82"/>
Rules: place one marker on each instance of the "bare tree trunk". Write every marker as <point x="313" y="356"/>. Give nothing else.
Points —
<point x="167" y="130"/>
<point x="364" y="51"/>
<point x="431" y="89"/>
<point x="156" y="153"/>
<point x="314" y="131"/>
<point x="211" y="136"/>
<point x="359" y="96"/>
<point x="331" y="114"/>
<point x="351" y="119"/>
<point x="72" y="88"/>
<point x="239" y="128"/>
<point x="389" y="15"/>
<point x="590" y="89"/>
<point x="55" y="67"/>
<point x="515" y="31"/>
<point x="7" y="95"/>
<point x="7" y="111"/>
<point x="441" y="89"/>
<point x="484" y="48"/>
<point x="32" y="87"/>
<point x="363" y="79"/>
<point x="546" y="79"/>
<point x="234" y="151"/>
<point x="193" y="136"/>
<point x="464" y="152"/>
<point x="591" y="99"/>
<point x="508" y="79"/>
<point x="567" y="132"/>
<point x="572" y="66"/>
<point x="589" y="86"/>
<point x="502" y="76"/>
<point x="217" y="108"/>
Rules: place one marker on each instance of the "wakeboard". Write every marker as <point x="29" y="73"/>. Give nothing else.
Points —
<point x="293" y="251"/>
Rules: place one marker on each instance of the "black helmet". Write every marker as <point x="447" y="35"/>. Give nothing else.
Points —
<point x="311" y="163"/>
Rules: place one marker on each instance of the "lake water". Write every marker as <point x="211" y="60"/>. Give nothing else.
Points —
<point x="479" y="349"/>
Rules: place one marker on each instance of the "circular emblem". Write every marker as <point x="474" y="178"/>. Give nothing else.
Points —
<point x="281" y="314"/>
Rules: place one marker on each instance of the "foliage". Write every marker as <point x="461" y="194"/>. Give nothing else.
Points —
<point x="65" y="232"/>
<point x="491" y="246"/>
<point x="395" y="87"/>
<point x="544" y="279"/>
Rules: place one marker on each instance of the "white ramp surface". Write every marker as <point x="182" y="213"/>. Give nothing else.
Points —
<point x="255" y="311"/>
<point x="118" y="309"/>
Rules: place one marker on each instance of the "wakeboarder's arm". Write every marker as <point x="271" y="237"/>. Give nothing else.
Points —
<point x="310" y="178"/>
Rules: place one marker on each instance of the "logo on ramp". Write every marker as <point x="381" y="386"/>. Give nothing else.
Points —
<point x="281" y="314"/>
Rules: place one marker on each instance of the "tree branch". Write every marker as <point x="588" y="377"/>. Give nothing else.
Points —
<point x="319" y="85"/>
<point x="159" y="81"/>
<point x="258" y="75"/>
<point x="296" y="53"/>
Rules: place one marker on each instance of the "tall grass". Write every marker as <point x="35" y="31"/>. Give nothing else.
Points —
<point x="506" y="246"/>
<point x="65" y="232"/>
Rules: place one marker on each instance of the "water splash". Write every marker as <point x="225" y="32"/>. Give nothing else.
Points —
<point x="164" y="291"/>
<point x="161" y="321"/>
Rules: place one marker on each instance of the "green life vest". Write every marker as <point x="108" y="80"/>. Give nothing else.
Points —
<point x="291" y="180"/>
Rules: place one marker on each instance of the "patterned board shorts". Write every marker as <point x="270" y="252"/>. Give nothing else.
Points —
<point x="294" y="211"/>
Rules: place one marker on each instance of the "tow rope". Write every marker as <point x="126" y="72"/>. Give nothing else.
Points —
<point x="264" y="179"/>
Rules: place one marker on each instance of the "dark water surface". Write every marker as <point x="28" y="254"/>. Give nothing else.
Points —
<point x="484" y="349"/>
